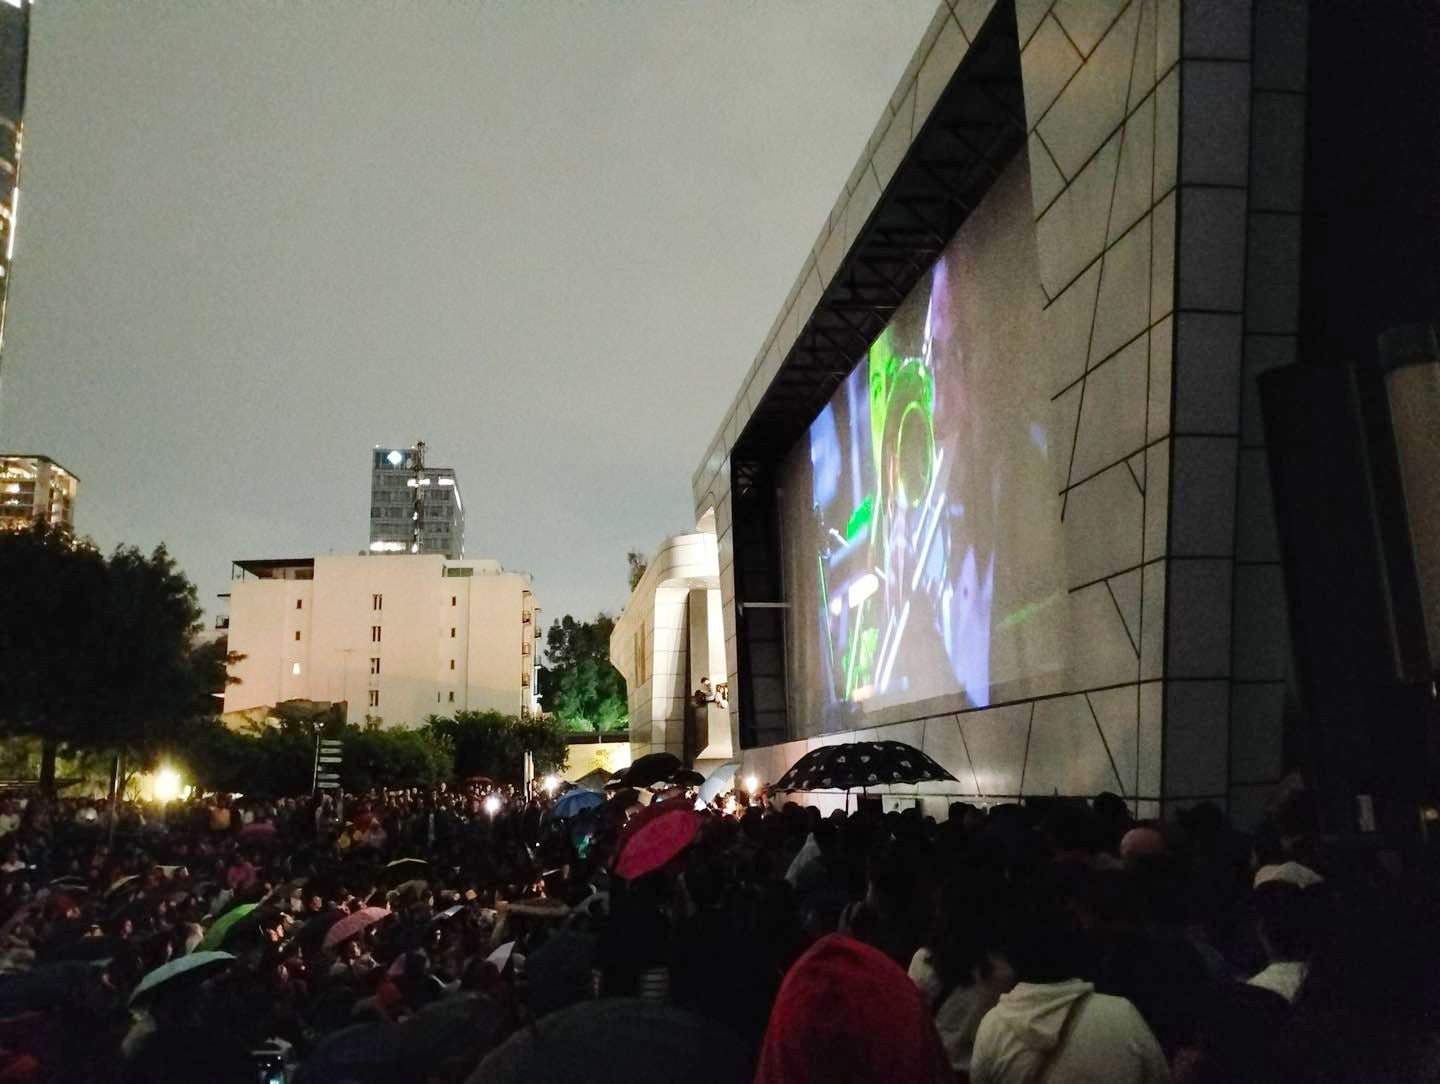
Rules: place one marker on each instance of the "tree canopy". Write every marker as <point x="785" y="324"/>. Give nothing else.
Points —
<point x="96" y="652"/>
<point x="577" y="683"/>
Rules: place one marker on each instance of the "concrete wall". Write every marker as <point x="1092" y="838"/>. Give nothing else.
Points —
<point x="650" y="645"/>
<point x="1168" y="264"/>
<point x="447" y="643"/>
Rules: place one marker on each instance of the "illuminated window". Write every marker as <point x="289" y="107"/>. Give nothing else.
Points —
<point x="295" y="668"/>
<point x="374" y="665"/>
<point x="374" y="698"/>
<point x="374" y="634"/>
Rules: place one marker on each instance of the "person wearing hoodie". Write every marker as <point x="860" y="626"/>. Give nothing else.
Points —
<point x="1053" y="1028"/>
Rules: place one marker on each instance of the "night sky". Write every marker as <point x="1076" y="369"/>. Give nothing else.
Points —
<point x="547" y="238"/>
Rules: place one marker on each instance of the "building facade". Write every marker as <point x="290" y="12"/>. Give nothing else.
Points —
<point x="35" y="487"/>
<point x="414" y="508"/>
<point x="668" y="641"/>
<point x="14" y="52"/>
<point x="1143" y="162"/>
<point x="396" y="638"/>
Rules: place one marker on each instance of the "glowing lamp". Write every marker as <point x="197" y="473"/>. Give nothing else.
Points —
<point x="492" y="804"/>
<point x="551" y="783"/>
<point x="167" y="784"/>
<point x="752" y="784"/>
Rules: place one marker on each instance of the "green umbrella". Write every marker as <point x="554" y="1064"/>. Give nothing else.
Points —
<point x="215" y="935"/>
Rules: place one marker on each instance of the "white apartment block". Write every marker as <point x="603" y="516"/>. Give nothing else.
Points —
<point x="396" y="637"/>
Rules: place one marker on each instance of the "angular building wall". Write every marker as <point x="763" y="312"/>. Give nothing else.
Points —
<point x="1162" y="283"/>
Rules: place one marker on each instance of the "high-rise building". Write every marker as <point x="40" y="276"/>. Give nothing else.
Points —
<point x="396" y="638"/>
<point x="14" y="49"/>
<point x="414" y="508"/>
<point x="35" y="487"/>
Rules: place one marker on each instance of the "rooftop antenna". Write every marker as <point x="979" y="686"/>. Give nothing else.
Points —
<point x="417" y="519"/>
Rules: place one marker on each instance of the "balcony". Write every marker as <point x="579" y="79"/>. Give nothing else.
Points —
<point x="222" y="622"/>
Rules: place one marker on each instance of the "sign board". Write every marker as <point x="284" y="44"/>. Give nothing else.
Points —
<point x="331" y="760"/>
<point x="328" y="786"/>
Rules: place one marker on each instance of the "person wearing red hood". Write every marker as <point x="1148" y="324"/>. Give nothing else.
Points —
<point x="847" y="1012"/>
<point x="1053" y="1028"/>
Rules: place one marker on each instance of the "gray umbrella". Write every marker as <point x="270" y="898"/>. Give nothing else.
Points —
<point x="618" y="1041"/>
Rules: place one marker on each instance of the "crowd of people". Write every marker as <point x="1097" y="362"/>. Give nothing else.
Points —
<point x="467" y="933"/>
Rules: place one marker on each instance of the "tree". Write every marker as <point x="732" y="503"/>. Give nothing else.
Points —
<point x="638" y="564"/>
<point x="94" y="653"/>
<point x="491" y="744"/>
<point x="578" y="684"/>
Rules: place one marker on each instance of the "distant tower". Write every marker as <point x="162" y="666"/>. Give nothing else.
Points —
<point x="414" y="508"/>
<point x="14" y="49"/>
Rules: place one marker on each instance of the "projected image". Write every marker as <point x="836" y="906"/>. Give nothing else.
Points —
<point x="927" y="553"/>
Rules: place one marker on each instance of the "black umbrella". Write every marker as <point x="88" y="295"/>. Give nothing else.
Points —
<point x="651" y="768"/>
<point x="618" y="1041"/>
<point x="860" y="764"/>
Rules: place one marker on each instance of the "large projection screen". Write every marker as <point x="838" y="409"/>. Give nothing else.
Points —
<point x="920" y="513"/>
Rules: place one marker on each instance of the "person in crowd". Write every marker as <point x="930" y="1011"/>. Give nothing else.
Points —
<point x="1054" y="1026"/>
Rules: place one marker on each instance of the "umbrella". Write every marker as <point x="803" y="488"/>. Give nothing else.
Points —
<point x="860" y="764"/>
<point x="350" y="925"/>
<point x="413" y="888"/>
<point x="501" y="956"/>
<point x="595" y="780"/>
<point x="653" y="837"/>
<point x="193" y="965"/>
<point x="721" y="780"/>
<point x="616" y="780"/>
<point x="618" y="1041"/>
<point x="687" y="778"/>
<point x="258" y="830"/>
<point x="651" y="768"/>
<point x="540" y="907"/>
<point x="124" y="884"/>
<point x="576" y="801"/>
<point x="315" y="929"/>
<point x="220" y="928"/>
<point x="622" y="800"/>
<point x="406" y="867"/>
<point x="558" y="972"/>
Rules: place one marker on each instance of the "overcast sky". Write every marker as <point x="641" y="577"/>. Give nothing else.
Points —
<point x="256" y="240"/>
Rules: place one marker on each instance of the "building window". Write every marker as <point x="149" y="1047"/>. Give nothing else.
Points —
<point x="374" y="665"/>
<point x="452" y="696"/>
<point x="374" y="634"/>
<point x="295" y="668"/>
<point x="374" y="698"/>
<point x="452" y="632"/>
<point x="452" y="600"/>
<point x="297" y="634"/>
<point x="299" y="603"/>
<point x="377" y="602"/>
<point x="524" y="647"/>
<point x="452" y="664"/>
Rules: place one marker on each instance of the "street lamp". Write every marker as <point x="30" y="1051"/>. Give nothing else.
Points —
<point x="492" y="804"/>
<point x="167" y="784"/>
<point x="551" y="783"/>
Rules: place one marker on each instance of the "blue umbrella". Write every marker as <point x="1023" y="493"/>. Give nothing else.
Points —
<point x="721" y="780"/>
<point x="575" y="802"/>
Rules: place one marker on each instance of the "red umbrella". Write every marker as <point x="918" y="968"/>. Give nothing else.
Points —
<point x="350" y="925"/>
<point x="654" y="836"/>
